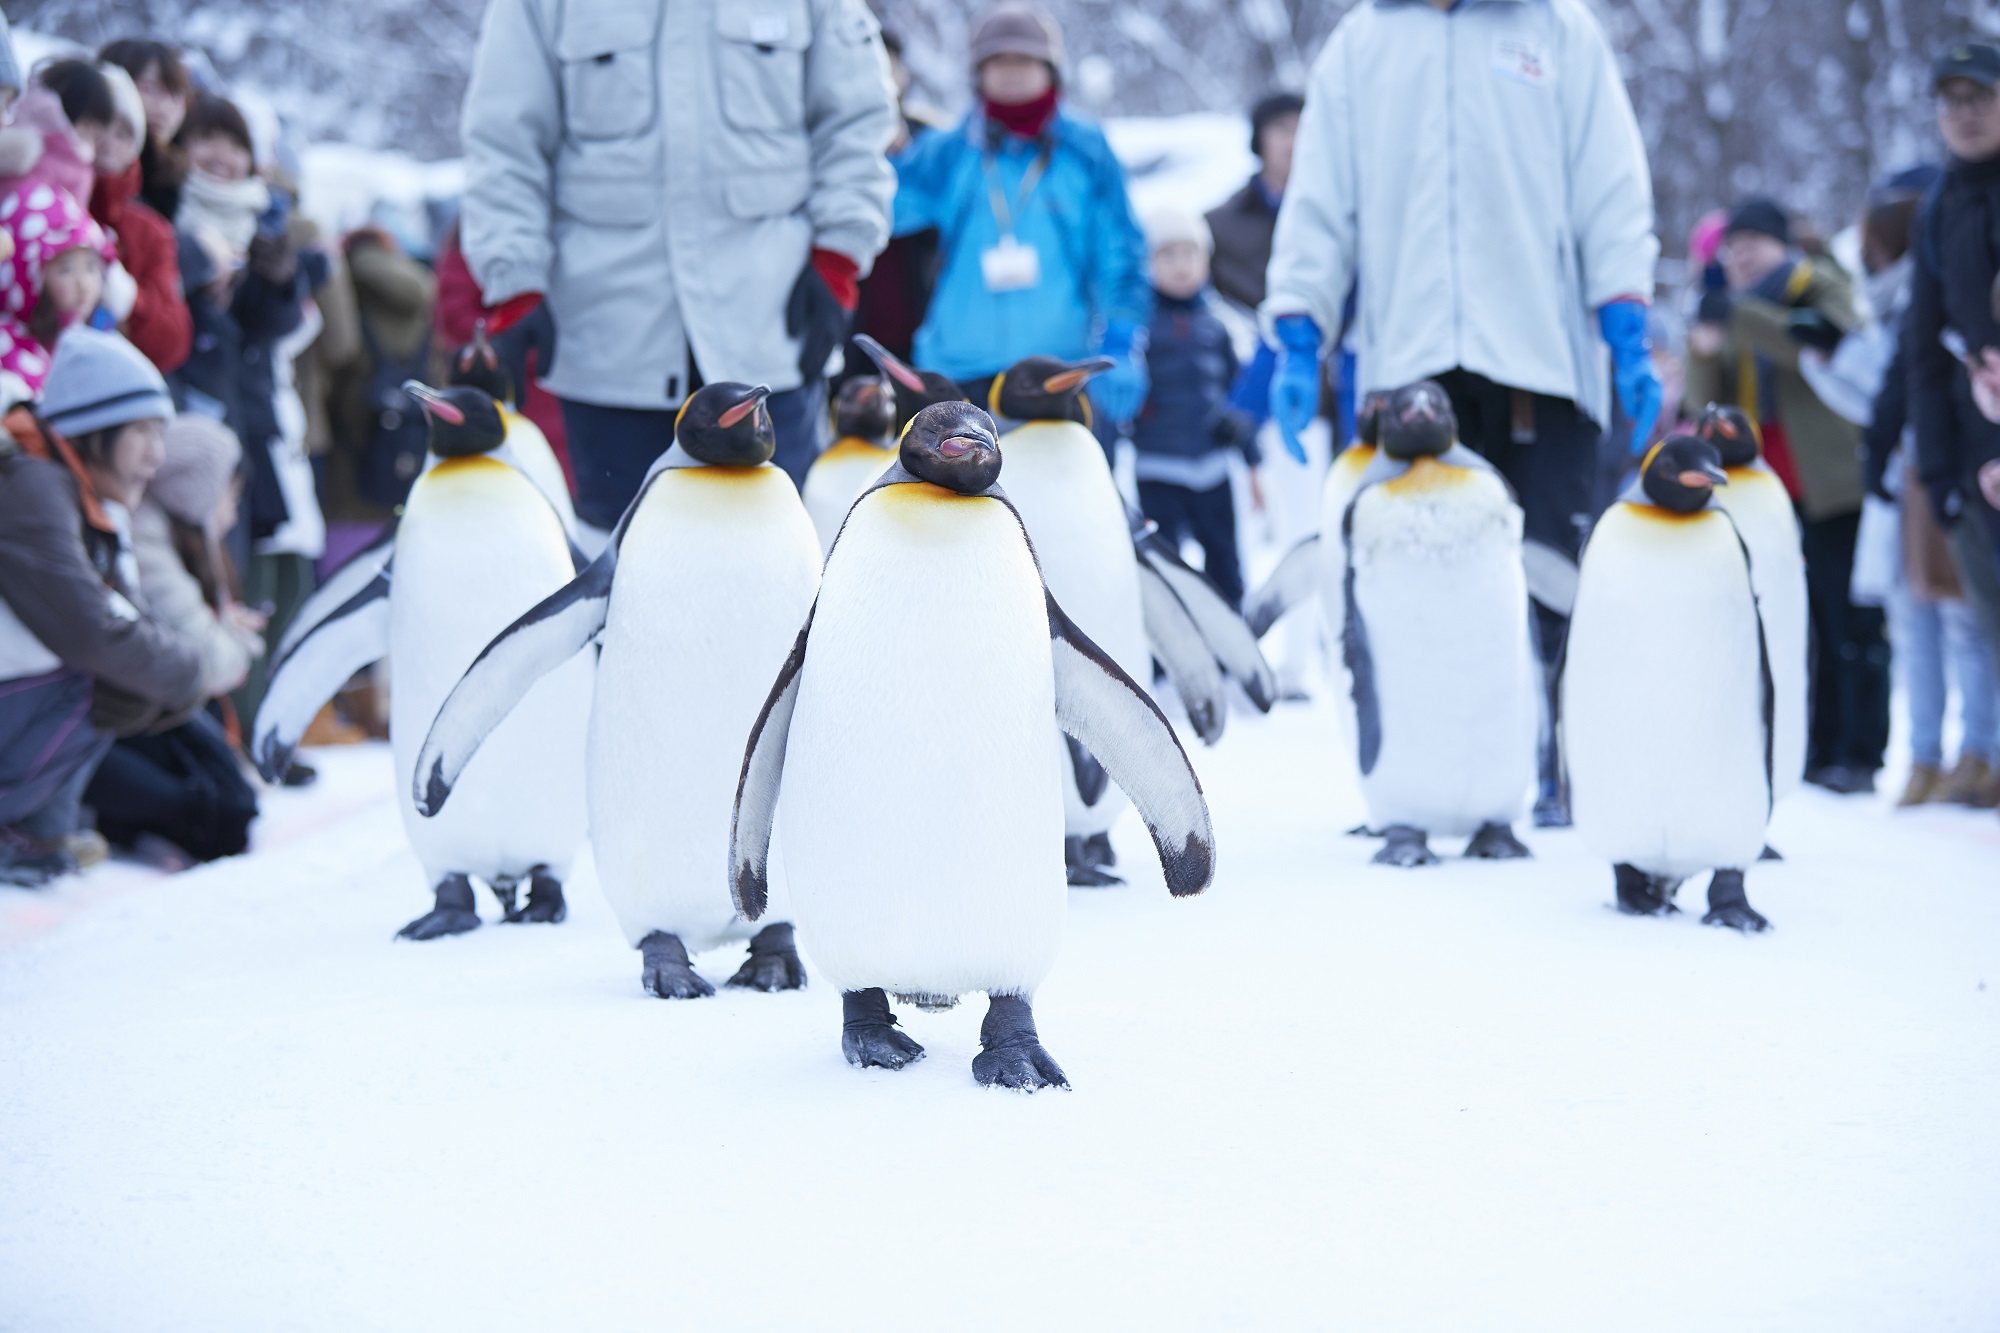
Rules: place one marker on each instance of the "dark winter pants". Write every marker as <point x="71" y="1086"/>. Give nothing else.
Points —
<point x="1978" y="565"/>
<point x="1849" y="722"/>
<point x="48" y="750"/>
<point x="182" y="784"/>
<point x="1207" y="516"/>
<point x="611" y="448"/>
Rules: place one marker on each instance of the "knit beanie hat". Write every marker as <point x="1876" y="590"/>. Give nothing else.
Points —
<point x="1761" y="215"/>
<point x="202" y="455"/>
<point x="99" y="380"/>
<point x="125" y="96"/>
<point x="1269" y="109"/>
<point x="1167" y="224"/>
<point x="1013" y="29"/>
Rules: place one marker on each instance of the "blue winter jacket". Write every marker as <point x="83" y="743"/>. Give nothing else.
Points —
<point x="1079" y="220"/>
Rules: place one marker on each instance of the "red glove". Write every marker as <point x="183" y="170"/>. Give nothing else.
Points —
<point x="841" y="275"/>
<point x="500" y="318"/>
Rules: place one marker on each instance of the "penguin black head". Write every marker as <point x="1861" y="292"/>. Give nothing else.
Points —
<point x="480" y="367"/>
<point x="915" y="390"/>
<point x="1368" y="418"/>
<point x="1041" y="388"/>
<point x="952" y="445"/>
<point x="865" y="409"/>
<point x="1417" y="422"/>
<point x="463" y="420"/>
<point x="726" y="424"/>
<point x="1681" y="474"/>
<point x="1732" y="433"/>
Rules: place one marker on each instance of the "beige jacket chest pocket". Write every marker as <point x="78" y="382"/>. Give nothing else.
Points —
<point x="760" y="64"/>
<point x="610" y="78"/>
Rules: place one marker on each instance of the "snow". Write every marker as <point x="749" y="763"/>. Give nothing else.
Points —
<point x="1323" y="1094"/>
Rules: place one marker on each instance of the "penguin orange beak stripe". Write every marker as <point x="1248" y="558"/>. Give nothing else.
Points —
<point x="1064" y="381"/>
<point x="958" y="446"/>
<point x="743" y="409"/>
<point x="434" y="402"/>
<point x="890" y="364"/>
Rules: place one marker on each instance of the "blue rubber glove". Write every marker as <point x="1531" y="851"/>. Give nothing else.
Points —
<point x="1295" y="382"/>
<point x="1120" y="392"/>
<point x="1623" y="324"/>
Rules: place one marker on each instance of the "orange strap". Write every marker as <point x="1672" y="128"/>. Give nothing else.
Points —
<point x="36" y="442"/>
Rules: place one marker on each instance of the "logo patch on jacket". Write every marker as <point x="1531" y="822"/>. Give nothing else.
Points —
<point x="1522" y="60"/>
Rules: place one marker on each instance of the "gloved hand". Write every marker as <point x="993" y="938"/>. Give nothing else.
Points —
<point x="1948" y="503"/>
<point x="502" y="317"/>
<point x="1623" y="324"/>
<point x="1120" y="392"/>
<point x="819" y="308"/>
<point x="1295" y="382"/>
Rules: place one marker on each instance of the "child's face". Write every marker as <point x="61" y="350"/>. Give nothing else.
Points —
<point x="220" y="156"/>
<point x="1180" y="268"/>
<point x="136" y="454"/>
<point x="92" y="133"/>
<point x="117" y="150"/>
<point x="165" y="108"/>
<point x="72" y="282"/>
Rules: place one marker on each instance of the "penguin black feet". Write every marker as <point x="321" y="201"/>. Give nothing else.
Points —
<point x="1641" y="894"/>
<point x="504" y="894"/>
<point x="774" y="961"/>
<point x="1770" y="853"/>
<point x="453" y="914"/>
<point x="868" y="1033"/>
<point x="1729" y="906"/>
<point x="1088" y="861"/>
<point x="1362" y="831"/>
<point x="1496" y="842"/>
<point x="665" y="971"/>
<point x="545" y="905"/>
<point x="1405" y="846"/>
<point x="1011" y="1053"/>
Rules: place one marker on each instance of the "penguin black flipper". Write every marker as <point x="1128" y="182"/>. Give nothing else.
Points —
<point x="757" y="787"/>
<point x="1222" y="629"/>
<point x="341" y="642"/>
<point x="1294" y="580"/>
<point x="340" y="586"/>
<point x="1359" y="660"/>
<point x="548" y="634"/>
<point x="1171" y="634"/>
<point x="1767" y="683"/>
<point x="1101" y="706"/>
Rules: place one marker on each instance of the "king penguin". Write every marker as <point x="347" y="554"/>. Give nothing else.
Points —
<point x="908" y="740"/>
<point x="1756" y="501"/>
<point x="479" y="365"/>
<point x="1436" y="639"/>
<point x="478" y="544"/>
<point x="695" y="601"/>
<point x="1667" y="692"/>
<point x="1119" y="582"/>
<point x="864" y="427"/>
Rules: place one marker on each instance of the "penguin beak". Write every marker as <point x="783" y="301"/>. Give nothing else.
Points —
<point x="889" y="363"/>
<point x="732" y="415"/>
<point x="1708" y="474"/>
<point x="965" y="442"/>
<point x="1064" y="381"/>
<point x="434" y="403"/>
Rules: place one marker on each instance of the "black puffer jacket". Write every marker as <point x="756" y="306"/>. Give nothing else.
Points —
<point x="1957" y="243"/>
<point x="1192" y="366"/>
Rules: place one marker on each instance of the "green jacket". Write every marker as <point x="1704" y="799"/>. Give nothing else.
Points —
<point x="1825" y="445"/>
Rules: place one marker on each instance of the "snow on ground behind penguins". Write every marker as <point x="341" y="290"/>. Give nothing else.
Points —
<point x="1321" y="1094"/>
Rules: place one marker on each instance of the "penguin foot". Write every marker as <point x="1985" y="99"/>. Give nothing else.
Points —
<point x="1098" y="847"/>
<point x="1084" y="862"/>
<point x="1496" y="842"/>
<point x="665" y="971"/>
<point x="453" y="914"/>
<point x="774" y="963"/>
<point x="1363" y="831"/>
<point x="545" y="905"/>
<point x="503" y="893"/>
<point x="1770" y="853"/>
<point x="868" y="1033"/>
<point x="1011" y="1054"/>
<point x="1406" y="847"/>
<point x="1729" y="906"/>
<point x="1641" y="894"/>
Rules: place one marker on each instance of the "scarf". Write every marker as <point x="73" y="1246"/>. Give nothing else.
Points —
<point x="1027" y="119"/>
<point x="224" y="210"/>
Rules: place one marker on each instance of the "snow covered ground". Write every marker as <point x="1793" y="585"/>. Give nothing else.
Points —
<point x="1323" y="1094"/>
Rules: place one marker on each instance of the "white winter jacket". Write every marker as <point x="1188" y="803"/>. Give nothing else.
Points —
<point x="1480" y="174"/>
<point x="662" y="171"/>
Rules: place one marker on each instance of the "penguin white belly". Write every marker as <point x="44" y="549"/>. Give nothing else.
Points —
<point x="534" y="455"/>
<point x="715" y="577"/>
<point x="477" y="547"/>
<point x="1756" y="499"/>
<point x="1055" y="473"/>
<point x="1438" y="585"/>
<point x="836" y="480"/>
<point x="921" y="807"/>
<point x="1662" y="699"/>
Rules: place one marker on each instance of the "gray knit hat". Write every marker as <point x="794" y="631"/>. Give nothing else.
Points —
<point x="1018" y="30"/>
<point x="98" y="380"/>
<point x="202" y="455"/>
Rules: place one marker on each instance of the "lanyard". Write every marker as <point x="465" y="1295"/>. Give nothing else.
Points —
<point x="1003" y="212"/>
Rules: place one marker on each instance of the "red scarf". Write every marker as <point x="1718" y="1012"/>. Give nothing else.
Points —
<point x="1026" y="119"/>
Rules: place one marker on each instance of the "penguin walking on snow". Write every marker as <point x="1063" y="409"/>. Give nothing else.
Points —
<point x="1667" y="695"/>
<point x="1436" y="639"/>
<point x="1126" y="588"/>
<point x="864" y="427"/>
<point x="477" y="545"/>
<point x="479" y="365"/>
<point x="908" y="741"/>
<point x="695" y="601"/>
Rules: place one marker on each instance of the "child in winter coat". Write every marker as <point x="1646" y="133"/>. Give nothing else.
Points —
<point x="150" y="310"/>
<point x="53" y="281"/>
<point x="1187" y="431"/>
<point x="57" y="129"/>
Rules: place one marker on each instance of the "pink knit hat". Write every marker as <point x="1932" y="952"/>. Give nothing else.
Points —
<point x="44" y="221"/>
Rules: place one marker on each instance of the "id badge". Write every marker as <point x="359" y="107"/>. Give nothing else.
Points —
<point x="1010" y="266"/>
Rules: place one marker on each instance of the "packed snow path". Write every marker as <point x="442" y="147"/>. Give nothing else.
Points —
<point x="1323" y="1094"/>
